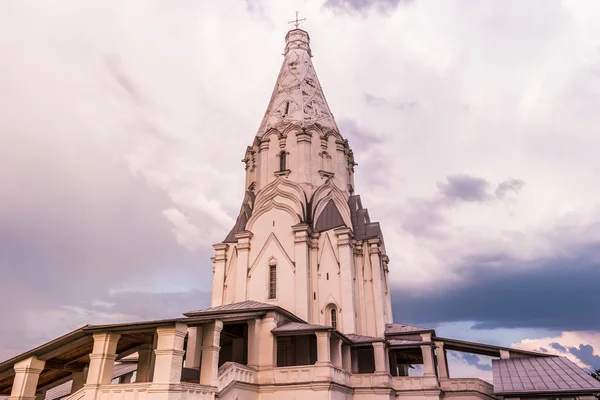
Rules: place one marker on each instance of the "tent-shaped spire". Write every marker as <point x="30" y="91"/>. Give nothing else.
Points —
<point x="298" y="97"/>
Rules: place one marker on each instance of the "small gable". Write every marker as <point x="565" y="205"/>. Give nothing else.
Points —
<point x="330" y="218"/>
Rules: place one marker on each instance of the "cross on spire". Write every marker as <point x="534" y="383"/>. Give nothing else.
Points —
<point x="297" y="21"/>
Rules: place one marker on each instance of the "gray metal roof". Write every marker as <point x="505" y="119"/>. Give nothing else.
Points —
<point x="300" y="327"/>
<point x="234" y="307"/>
<point x="406" y="342"/>
<point x="541" y="375"/>
<point x="357" y="339"/>
<point x="391" y="329"/>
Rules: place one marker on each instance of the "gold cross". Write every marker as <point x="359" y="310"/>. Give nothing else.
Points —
<point x="297" y="21"/>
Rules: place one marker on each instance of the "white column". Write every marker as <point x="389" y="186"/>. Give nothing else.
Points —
<point x="380" y="362"/>
<point x="302" y="236"/>
<point x="303" y="138"/>
<point x="336" y="352"/>
<point x="323" y="348"/>
<point x="194" y="347"/>
<point x="27" y="374"/>
<point x="388" y="298"/>
<point x="314" y="297"/>
<point x="144" y="363"/>
<point x="442" y="362"/>
<point x="211" y="339"/>
<point x="241" y="271"/>
<point x="360" y="283"/>
<point x="346" y="254"/>
<point x="263" y="164"/>
<point x="267" y="353"/>
<point x="378" y="294"/>
<point x="504" y="354"/>
<point x="102" y="359"/>
<point x="355" y="367"/>
<point x="218" y="283"/>
<point x="428" y="362"/>
<point x="347" y="358"/>
<point x="253" y="342"/>
<point x="169" y="355"/>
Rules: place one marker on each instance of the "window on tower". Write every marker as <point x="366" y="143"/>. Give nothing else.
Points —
<point x="282" y="161"/>
<point x="333" y="318"/>
<point x="272" y="281"/>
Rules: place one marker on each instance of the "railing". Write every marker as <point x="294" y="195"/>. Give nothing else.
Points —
<point x="370" y="380"/>
<point x="125" y="391"/>
<point x="306" y="373"/>
<point x="230" y="372"/>
<point x="467" y="384"/>
<point x="194" y="391"/>
<point x="403" y="383"/>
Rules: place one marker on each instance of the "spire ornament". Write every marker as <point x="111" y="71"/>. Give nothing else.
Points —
<point x="297" y="21"/>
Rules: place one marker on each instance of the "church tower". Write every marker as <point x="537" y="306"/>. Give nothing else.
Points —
<point x="303" y="240"/>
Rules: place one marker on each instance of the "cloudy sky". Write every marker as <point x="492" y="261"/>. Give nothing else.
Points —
<point x="474" y="124"/>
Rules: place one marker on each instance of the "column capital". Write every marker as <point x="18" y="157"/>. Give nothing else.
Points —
<point x="321" y="334"/>
<point x="220" y="247"/>
<point x="344" y="236"/>
<point x="243" y="238"/>
<point x="31" y="364"/>
<point x="303" y="136"/>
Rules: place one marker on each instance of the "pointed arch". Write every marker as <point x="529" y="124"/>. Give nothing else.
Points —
<point x="266" y="200"/>
<point x="329" y="302"/>
<point x="271" y="131"/>
<point x="272" y="238"/>
<point x="327" y="244"/>
<point x="326" y="192"/>
<point x="291" y="128"/>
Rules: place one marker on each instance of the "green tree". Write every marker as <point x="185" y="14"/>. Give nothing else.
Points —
<point x="596" y="374"/>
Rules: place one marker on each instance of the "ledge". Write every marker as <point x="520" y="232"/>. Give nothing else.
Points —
<point x="326" y="174"/>
<point x="285" y="173"/>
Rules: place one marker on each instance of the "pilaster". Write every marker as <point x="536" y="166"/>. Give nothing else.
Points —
<point x="379" y="352"/>
<point x="253" y="342"/>
<point x="263" y="164"/>
<point x="267" y="354"/>
<point x="211" y="339"/>
<point x="301" y="259"/>
<point x="378" y="295"/>
<point x="388" y="298"/>
<point x="144" y="363"/>
<point x="103" y="358"/>
<point x="323" y="348"/>
<point x="219" y="261"/>
<point x="27" y="374"/>
<point x="313" y="293"/>
<point x="336" y="352"/>
<point x="428" y="362"/>
<point x="78" y="381"/>
<point x="347" y="358"/>
<point x="347" y="311"/>
<point x="169" y="355"/>
<point x="359" y="267"/>
<point x="194" y="347"/>
<point x="304" y="139"/>
<point x="241" y="271"/>
<point x="442" y="361"/>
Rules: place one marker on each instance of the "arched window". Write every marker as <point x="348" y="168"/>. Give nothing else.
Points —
<point x="334" y="318"/>
<point x="272" y="280"/>
<point x="282" y="161"/>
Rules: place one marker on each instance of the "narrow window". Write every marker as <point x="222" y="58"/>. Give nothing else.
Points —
<point x="282" y="161"/>
<point x="328" y="276"/>
<point x="333" y="318"/>
<point x="272" y="281"/>
<point x="287" y="108"/>
<point x="314" y="295"/>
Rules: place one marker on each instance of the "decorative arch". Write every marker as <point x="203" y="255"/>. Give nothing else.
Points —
<point x="271" y="238"/>
<point x="271" y="131"/>
<point x="326" y="192"/>
<point x="333" y="132"/>
<point x="269" y="193"/>
<point x="291" y="128"/>
<point x="269" y="206"/>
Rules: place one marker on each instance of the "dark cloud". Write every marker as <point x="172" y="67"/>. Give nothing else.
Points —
<point x="554" y="294"/>
<point x="475" y="361"/>
<point x="364" y="5"/>
<point x="464" y="187"/>
<point x="510" y="185"/>
<point x="585" y="353"/>
<point x="543" y="350"/>
<point x="558" y="346"/>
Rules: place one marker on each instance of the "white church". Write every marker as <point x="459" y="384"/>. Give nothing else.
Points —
<point x="301" y="305"/>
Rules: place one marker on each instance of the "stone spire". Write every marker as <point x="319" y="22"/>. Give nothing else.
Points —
<point x="298" y="97"/>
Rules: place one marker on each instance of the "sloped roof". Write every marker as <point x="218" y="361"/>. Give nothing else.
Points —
<point x="297" y="97"/>
<point x="405" y="342"/>
<point x="540" y="376"/>
<point x="358" y="339"/>
<point x="242" y="306"/>
<point x="300" y="327"/>
<point x="391" y="329"/>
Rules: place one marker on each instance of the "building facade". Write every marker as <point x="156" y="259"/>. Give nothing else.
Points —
<point x="301" y="306"/>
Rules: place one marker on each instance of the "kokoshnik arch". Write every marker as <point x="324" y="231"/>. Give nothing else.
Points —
<point x="301" y="306"/>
